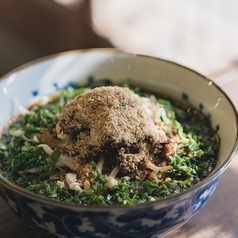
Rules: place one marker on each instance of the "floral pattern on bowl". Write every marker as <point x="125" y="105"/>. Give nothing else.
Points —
<point x="149" y="221"/>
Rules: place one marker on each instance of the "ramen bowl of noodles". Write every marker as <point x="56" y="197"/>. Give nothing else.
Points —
<point x="103" y="143"/>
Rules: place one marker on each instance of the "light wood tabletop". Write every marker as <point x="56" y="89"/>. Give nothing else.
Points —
<point x="217" y="219"/>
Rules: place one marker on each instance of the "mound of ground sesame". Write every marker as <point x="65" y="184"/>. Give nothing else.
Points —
<point x="110" y="122"/>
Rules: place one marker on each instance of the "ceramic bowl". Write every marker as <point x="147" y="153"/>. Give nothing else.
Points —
<point x="153" y="219"/>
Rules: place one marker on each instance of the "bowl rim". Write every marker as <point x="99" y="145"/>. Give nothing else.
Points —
<point x="50" y="201"/>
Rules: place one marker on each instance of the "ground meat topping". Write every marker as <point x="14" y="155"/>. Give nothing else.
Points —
<point x="106" y="121"/>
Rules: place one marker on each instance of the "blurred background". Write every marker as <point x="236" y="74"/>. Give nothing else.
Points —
<point x="200" y="34"/>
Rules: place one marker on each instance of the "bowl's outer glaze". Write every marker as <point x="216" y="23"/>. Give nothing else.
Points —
<point x="152" y="220"/>
<point x="41" y="78"/>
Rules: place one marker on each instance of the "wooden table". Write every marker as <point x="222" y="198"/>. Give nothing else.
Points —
<point x="217" y="219"/>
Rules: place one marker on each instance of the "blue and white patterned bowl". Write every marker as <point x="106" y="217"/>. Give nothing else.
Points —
<point x="153" y="219"/>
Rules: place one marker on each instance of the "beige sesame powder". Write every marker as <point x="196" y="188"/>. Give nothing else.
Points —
<point x="110" y="122"/>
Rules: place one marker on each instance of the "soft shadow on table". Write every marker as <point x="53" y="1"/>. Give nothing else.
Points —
<point x="218" y="218"/>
